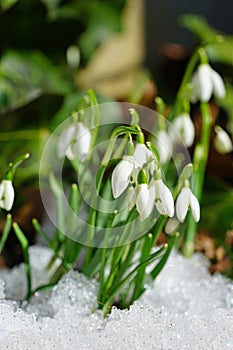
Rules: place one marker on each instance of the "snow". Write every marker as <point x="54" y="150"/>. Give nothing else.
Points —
<point x="185" y="308"/>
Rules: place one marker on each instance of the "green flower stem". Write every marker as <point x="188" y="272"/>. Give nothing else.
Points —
<point x="95" y="121"/>
<point x="200" y="158"/>
<point x="72" y="248"/>
<point x="58" y="193"/>
<point x="39" y="230"/>
<point x="149" y="243"/>
<point x="117" y="254"/>
<point x="129" y="253"/>
<point x="93" y="216"/>
<point x="104" y="254"/>
<point x="6" y="231"/>
<point x="14" y="165"/>
<point x="121" y="130"/>
<point x="172" y="241"/>
<point x="24" y="244"/>
<point x="119" y="151"/>
<point x="113" y="291"/>
<point x="183" y="86"/>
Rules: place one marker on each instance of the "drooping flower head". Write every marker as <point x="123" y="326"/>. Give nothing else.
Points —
<point x="206" y="81"/>
<point x="164" y="146"/>
<point x="145" y="192"/>
<point x="222" y="141"/>
<point x="74" y="142"/>
<point x="142" y="155"/>
<point x="182" y="127"/>
<point x="121" y="175"/>
<point x="7" y="194"/>
<point x="163" y="198"/>
<point x="185" y="200"/>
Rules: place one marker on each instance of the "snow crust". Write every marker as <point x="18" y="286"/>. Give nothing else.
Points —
<point x="185" y="308"/>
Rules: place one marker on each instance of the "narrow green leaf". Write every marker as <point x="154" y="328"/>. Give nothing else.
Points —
<point x="6" y="231"/>
<point x="24" y="244"/>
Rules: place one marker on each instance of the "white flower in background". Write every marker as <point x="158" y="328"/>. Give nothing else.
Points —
<point x="163" y="198"/>
<point x="7" y="194"/>
<point x="185" y="200"/>
<point x="142" y="155"/>
<point x="73" y="56"/>
<point x="222" y="141"/>
<point x="206" y="81"/>
<point x="74" y="142"/>
<point x="184" y="128"/>
<point x="172" y="225"/>
<point x="164" y="146"/>
<point x="121" y="175"/>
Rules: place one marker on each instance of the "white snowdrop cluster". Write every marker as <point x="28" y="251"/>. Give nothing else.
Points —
<point x="147" y="193"/>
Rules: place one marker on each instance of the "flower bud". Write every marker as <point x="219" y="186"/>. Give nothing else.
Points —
<point x="7" y="194"/>
<point x="222" y="141"/>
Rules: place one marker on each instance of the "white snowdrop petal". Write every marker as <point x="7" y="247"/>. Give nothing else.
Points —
<point x="195" y="207"/>
<point x="151" y="203"/>
<point x="166" y="199"/>
<point x="203" y="83"/>
<point x="142" y="154"/>
<point x="142" y="201"/>
<point x="8" y="194"/>
<point x="194" y="96"/>
<point x="2" y="188"/>
<point x="222" y="141"/>
<point x="183" y="128"/>
<point x="218" y="84"/>
<point x="165" y="204"/>
<point x="171" y="225"/>
<point x="121" y="176"/>
<point x="160" y="207"/>
<point x="83" y="141"/>
<point x="70" y="153"/>
<point x="65" y="140"/>
<point x="182" y="204"/>
<point x="188" y="131"/>
<point x="164" y="146"/>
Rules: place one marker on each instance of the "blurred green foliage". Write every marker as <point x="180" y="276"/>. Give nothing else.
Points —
<point x="218" y="45"/>
<point x="37" y="89"/>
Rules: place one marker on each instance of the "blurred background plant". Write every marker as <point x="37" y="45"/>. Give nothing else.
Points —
<point x="52" y="51"/>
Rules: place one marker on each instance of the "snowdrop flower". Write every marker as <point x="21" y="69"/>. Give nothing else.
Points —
<point x="222" y="141"/>
<point x="206" y="81"/>
<point x="73" y="56"/>
<point x="74" y="142"/>
<point x="143" y="196"/>
<point x="163" y="198"/>
<point x="7" y="194"/>
<point x="144" y="200"/>
<point x="121" y="175"/>
<point x="184" y="128"/>
<point x="164" y="146"/>
<point x="172" y="225"/>
<point x="142" y="155"/>
<point x="185" y="199"/>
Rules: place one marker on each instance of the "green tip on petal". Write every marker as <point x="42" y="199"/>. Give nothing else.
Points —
<point x="142" y="177"/>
